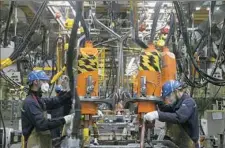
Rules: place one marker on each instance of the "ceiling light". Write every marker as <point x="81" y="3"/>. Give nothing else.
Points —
<point x="197" y="8"/>
<point x="207" y="8"/>
<point x="217" y="8"/>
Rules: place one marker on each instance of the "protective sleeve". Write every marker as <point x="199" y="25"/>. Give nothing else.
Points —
<point x="36" y="116"/>
<point x="181" y="115"/>
<point x="58" y="101"/>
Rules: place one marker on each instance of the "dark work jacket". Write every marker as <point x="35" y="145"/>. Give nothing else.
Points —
<point x="185" y="113"/>
<point x="32" y="113"/>
<point x="60" y="112"/>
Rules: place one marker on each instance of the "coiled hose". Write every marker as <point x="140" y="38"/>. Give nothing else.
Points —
<point x="183" y="29"/>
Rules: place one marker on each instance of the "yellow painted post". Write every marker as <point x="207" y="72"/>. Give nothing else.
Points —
<point x="103" y="65"/>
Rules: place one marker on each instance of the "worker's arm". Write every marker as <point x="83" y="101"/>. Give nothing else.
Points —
<point x="165" y="108"/>
<point x="36" y="116"/>
<point x="181" y="115"/>
<point x="58" y="101"/>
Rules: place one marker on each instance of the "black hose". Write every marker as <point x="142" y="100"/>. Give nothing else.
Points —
<point x="71" y="54"/>
<point x="183" y="28"/>
<point x="155" y="21"/>
<point x="30" y="31"/>
<point x="172" y="28"/>
<point x="134" y="23"/>
<point x="178" y="56"/>
<point x="5" y="43"/>
<point x="86" y="31"/>
<point x="84" y="25"/>
<point x="210" y="47"/>
<point x="221" y="46"/>
<point x="43" y="46"/>
<point x="4" y="129"/>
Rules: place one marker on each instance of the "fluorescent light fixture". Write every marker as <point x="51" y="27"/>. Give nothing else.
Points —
<point x="152" y="4"/>
<point x="207" y="8"/>
<point x="217" y="8"/>
<point x="59" y="3"/>
<point x="197" y="8"/>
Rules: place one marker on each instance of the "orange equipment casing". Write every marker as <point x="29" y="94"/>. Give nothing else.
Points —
<point x="87" y="66"/>
<point x="151" y="69"/>
<point x="169" y="69"/>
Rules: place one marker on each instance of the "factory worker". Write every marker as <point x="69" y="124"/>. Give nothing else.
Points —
<point x="180" y="115"/>
<point x="59" y="112"/>
<point x="35" y="124"/>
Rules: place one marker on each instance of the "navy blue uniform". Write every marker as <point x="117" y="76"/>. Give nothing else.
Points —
<point x="33" y="113"/>
<point x="60" y="112"/>
<point x="185" y="113"/>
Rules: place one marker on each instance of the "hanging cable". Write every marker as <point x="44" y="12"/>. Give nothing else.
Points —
<point x="30" y="31"/>
<point x="134" y="23"/>
<point x="155" y="21"/>
<point x="172" y="28"/>
<point x="84" y="25"/>
<point x="71" y="54"/>
<point x="183" y="28"/>
<point x="5" y="43"/>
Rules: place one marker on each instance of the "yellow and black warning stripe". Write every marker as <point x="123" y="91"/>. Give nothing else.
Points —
<point x="87" y="63"/>
<point x="150" y="61"/>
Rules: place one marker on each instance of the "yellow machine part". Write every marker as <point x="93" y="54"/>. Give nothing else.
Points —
<point x="102" y="65"/>
<point x="58" y="75"/>
<point x="86" y="136"/>
<point x="59" y="60"/>
<point x="22" y="142"/>
<point x="151" y="69"/>
<point x="44" y="68"/>
<point x="87" y="66"/>
<point x="69" y="23"/>
<point x="169" y="69"/>
<point x="5" y="63"/>
<point x="135" y="84"/>
<point x="194" y="72"/>
<point x="66" y="46"/>
<point x="160" y="43"/>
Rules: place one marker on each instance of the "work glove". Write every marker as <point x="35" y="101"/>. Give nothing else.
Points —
<point x="100" y="114"/>
<point x="69" y="118"/>
<point x="151" y="116"/>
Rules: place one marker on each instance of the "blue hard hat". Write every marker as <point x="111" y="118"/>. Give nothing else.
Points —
<point x="37" y="75"/>
<point x="58" y="88"/>
<point x="170" y="86"/>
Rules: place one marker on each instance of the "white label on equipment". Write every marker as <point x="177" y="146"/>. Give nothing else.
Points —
<point x="49" y="116"/>
<point x="217" y="116"/>
<point x="15" y="76"/>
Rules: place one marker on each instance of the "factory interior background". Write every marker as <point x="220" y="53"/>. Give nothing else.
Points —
<point x="114" y="58"/>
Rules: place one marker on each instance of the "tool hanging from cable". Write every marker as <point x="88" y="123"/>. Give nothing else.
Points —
<point x="87" y="37"/>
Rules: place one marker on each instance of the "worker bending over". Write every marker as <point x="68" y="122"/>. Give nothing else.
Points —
<point x="35" y="125"/>
<point x="180" y="114"/>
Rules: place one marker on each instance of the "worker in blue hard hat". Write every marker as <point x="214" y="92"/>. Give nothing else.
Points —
<point x="35" y="124"/>
<point x="180" y="114"/>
